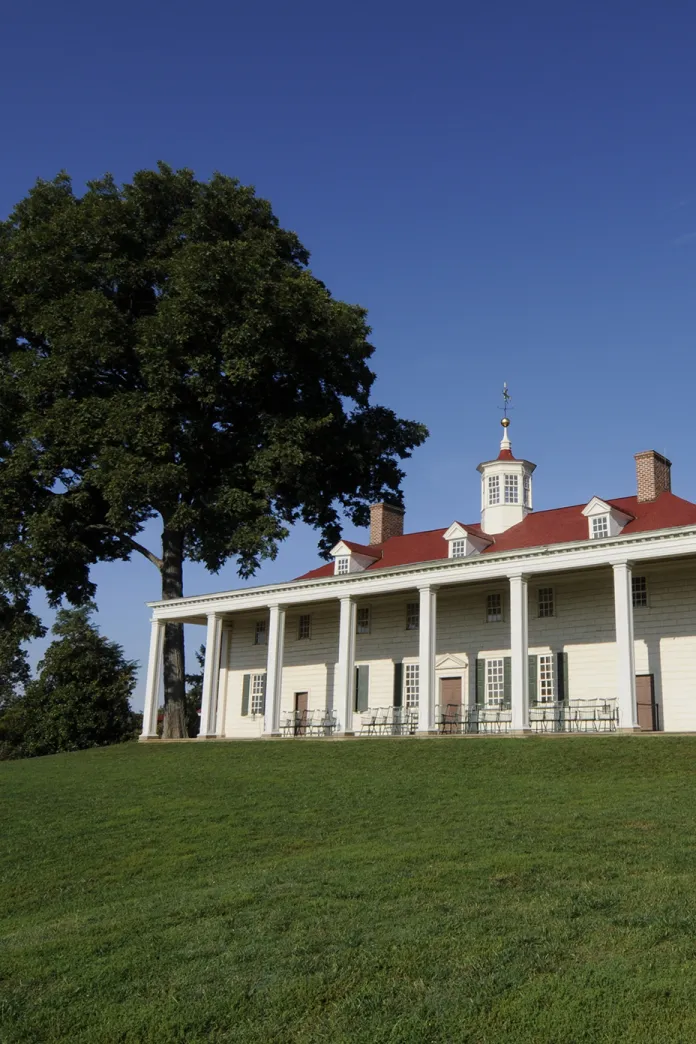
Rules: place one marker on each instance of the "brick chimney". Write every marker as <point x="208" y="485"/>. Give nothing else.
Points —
<point x="653" y="475"/>
<point x="386" y="520"/>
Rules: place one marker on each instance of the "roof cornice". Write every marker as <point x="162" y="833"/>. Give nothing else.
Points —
<point x="577" y="554"/>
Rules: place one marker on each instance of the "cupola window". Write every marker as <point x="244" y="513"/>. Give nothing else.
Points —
<point x="527" y="486"/>
<point x="512" y="494"/>
<point x="493" y="489"/>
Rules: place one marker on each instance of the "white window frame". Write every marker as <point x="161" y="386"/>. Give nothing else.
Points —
<point x="257" y="693"/>
<point x="261" y="632"/>
<point x="527" y="491"/>
<point x="411" y="685"/>
<point x="494" y="615"/>
<point x="412" y="616"/>
<point x="639" y="587"/>
<point x="511" y="489"/>
<point x="304" y="627"/>
<point x="342" y="565"/>
<point x="458" y="548"/>
<point x="599" y="527"/>
<point x="546" y="602"/>
<point x="495" y="683"/>
<point x="493" y="490"/>
<point x="546" y="678"/>
<point x="363" y="626"/>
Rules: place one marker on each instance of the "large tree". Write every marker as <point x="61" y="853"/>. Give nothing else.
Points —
<point x="171" y="355"/>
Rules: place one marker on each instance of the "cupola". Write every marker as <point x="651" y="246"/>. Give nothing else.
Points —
<point x="506" y="487"/>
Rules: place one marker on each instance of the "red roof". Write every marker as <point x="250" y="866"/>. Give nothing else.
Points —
<point x="558" y="526"/>
<point x="506" y="454"/>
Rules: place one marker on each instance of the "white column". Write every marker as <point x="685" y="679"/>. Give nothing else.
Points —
<point x="519" y="654"/>
<point x="427" y="628"/>
<point x="154" y="676"/>
<point x="211" y="677"/>
<point x="274" y="670"/>
<point x="625" y="659"/>
<point x="345" y="669"/>
<point x="221" y="712"/>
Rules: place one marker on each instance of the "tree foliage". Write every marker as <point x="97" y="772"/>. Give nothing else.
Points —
<point x="80" y="698"/>
<point x="167" y="352"/>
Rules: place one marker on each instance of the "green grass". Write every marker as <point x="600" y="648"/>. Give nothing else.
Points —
<point x="376" y="891"/>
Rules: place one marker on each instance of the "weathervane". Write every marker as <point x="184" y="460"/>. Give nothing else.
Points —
<point x="507" y="399"/>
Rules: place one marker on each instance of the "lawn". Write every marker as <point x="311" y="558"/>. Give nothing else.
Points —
<point x="452" y="890"/>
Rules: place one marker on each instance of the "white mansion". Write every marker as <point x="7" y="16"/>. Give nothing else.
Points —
<point x="579" y="618"/>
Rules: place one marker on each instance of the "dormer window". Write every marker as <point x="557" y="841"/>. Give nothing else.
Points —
<point x="604" y="520"/>
<point x="512" y="494"/>
<point x="493" y="489"/>
<point x="352" y="558"/>
<point x="600" y="527"/>
<point x="463" y="542"/>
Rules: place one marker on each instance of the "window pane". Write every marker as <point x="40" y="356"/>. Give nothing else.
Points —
<point x="495" y="683"/>
<point x="545" y="601"/>
<point x="260" y="633"/>
<point x="363" y="620"/>
<point x="459" y="549"/>
<point x="494" y="608"/>
<point x="258" y="687"/>
<point x="411" y="679"/>
<point x="640" y="592"/>
<point x="303" y="626"/>
<point x="412" y="616"/>
<point x="546" y="680"/>
<point x="493" y="489"/>
<point x="600" y="527"/>
<point x="511" y="489"/>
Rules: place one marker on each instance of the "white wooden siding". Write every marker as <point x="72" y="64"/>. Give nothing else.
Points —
<point x="583" y="627"/>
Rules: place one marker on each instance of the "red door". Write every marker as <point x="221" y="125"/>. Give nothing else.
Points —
<point x="450" y="702"/>
<point x="645" y="702"/>
<point x="301" y="699"/>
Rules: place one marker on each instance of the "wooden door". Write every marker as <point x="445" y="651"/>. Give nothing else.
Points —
<point x="301" y="699"/>
<point x="450" y="702"/>
<point x="645" y="702"/>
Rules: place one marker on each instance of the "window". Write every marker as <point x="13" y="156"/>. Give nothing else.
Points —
<point x="304" y="627"/>
<point x="412" y="616"/>
<point x="640" y="592"/>
<point x="459" y="549"/>
<point x="342" y="565"/>
<point x="411" y="678"/>
<point x="258" y="693"/>
<point x="600" y="527"/>
<point x="493" y="489"/>
<point x="547" y="692"/>
<point x="512" y="495"/>
<point x="545" y="601"/>
<point x="363" y="619"/>
<point x="527" y="487"/>
<point x="495" y="683"/>
<point x="260" y="633"/>
<point x="494" y="608"/>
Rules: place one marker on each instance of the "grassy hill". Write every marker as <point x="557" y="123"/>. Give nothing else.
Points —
<point x="377" y="891"/>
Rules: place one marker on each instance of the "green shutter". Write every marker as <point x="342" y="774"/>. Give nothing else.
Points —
<point x="398" y="684"/>
<point x="480" y="683"/>
<point x="362" y="688"/>
<point x="246" y="685"/>
<point x="533" y="669"/>
<point x="562" y="677"/>
<point x="507" y="682"/>
<point x="263" y="698"/>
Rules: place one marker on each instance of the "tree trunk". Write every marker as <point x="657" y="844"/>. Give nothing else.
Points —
<point x="173" y="653"/>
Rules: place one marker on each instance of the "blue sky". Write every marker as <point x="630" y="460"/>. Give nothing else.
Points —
<point x="510" y="190"/>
